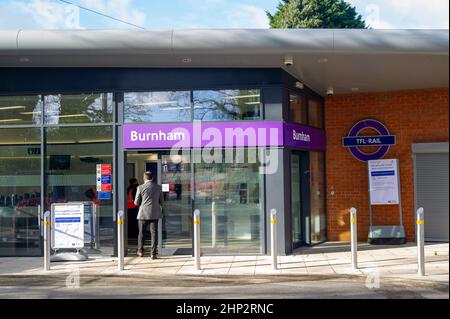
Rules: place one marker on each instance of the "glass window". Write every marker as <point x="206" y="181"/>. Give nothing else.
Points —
<point x="80" y="108"/>
<point x="315" y="113"/>
<point x="170" y="106"/>
<point x="317" y="189"/>
<point x="20" y="192"/>
<point x="296" y="199"/>
<point x="72" y="154"/>
<point x="16" y="110"/>
<point x="297" y="109"/>
<point x="227" y="105"/>
<point x="229" y="199"/>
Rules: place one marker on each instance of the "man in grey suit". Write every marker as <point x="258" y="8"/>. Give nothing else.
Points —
<point x="149" y="198"/>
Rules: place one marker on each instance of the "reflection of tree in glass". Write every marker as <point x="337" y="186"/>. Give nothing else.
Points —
<point x="157" y="106"/>
<point x="226" y="105"/>
<point x="81" y="108"/>
<point x="99" y="107"/>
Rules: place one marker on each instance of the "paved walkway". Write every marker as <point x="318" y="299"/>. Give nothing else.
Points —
<point x="329" y="259"/>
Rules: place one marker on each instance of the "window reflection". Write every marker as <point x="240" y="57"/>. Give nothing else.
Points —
<point x="227" y="105"/>
<point x="17" y="110"/>
<point x="20" y="192"/>
<point x="80" y="108"/>
<point x="169" y="106"/>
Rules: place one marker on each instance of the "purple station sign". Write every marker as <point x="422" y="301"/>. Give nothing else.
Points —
<point x="304" y="137"/>
<point x="222" y="134"/>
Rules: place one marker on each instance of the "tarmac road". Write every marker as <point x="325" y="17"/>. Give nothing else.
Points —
<point x="205" y="287"/>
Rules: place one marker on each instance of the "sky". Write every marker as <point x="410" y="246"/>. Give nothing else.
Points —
<point x="183" y="14"/>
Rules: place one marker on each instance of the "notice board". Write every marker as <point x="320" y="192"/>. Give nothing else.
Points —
<point x="67" y="225"/>
<point x="383" y="182"/>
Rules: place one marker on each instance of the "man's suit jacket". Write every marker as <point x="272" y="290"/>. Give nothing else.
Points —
<point x="149" y="198"/>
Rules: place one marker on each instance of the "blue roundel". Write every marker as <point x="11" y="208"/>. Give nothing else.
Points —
<point x="353" y="141"/>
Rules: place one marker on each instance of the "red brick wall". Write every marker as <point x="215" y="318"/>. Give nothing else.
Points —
<point x="413" y="116"/>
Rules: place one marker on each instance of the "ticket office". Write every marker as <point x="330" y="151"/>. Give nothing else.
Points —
<point x="53" y="137"/>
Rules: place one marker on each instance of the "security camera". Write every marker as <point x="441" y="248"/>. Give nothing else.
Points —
<point x="330" y="91"/>
<point x="299" y="85"/>
<point x="288" y="60"/>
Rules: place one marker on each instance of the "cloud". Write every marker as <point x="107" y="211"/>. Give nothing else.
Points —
<point x="247" y="16"/>
<point x="120" y="9"/>
<point x="45" y="14"/>
<point x="404" y="14"/>
<point x="48" y="14"/>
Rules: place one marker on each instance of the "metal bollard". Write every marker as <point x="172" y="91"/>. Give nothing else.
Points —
<point x="213" y="224"/>
<point x="96" y="222"/>
<point x="197" y="239"/>
<point x="47" y="240"/>
<point x="273" y="238"/>
<point x="120" y="238"/>
<point x="420" y="221"/>
<point x="354" y="237"/>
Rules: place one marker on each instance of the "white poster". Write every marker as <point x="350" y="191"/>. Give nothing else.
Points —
<point x="67" y="225"/>
<point x="383" y="182"/>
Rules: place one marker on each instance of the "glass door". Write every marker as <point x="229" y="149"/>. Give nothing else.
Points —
<point x="176" y="231"/>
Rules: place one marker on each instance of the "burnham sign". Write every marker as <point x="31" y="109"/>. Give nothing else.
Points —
<point x="354" y="141"/>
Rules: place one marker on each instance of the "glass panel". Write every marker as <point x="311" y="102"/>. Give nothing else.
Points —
<point x="297" y="109"/>
<point x="296" y="199"/>
<point x="318" y="218"/>
<point x="315" y="113"/>
<point x="20" y="192"/>
<point x="227" y="105"/>
<point x="177" y="222"/>
<point x="167" y="106"/>
<point x="80" y="108"/>
<point x="16" y="110"/>
<point x="228" y="197"/>
<point x="70" y="170"/>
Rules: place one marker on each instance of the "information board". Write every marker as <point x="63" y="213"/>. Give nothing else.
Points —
<point x="67" y="225"/>
<point x="103" y="181"/>
<point x="383" y="182"/>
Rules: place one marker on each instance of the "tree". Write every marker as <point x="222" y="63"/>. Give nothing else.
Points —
<point x="324" y="14"/>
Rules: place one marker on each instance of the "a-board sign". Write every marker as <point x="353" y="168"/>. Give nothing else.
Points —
<point x="67" y="225"/>
<point x="384" y="182"/>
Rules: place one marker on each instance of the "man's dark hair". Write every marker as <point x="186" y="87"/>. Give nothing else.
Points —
<point x="133" y="181"/>
<point x="148" y="176"/>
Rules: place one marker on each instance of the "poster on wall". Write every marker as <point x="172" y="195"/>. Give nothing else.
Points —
<point x="384" y="182"/>
<point x="103" y="181"/>
<point x="67" y="225"/>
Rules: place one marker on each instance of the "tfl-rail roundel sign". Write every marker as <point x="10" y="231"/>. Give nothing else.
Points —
<point x="354" y="141"/>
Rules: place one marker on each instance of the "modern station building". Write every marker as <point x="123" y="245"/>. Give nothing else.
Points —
<point x="234" y="123"/>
